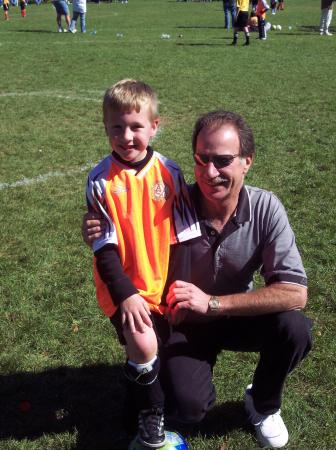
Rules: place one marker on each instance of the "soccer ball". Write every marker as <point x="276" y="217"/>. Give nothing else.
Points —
<point x="274" y="27"/>
<point x="279" y="27"/>
<point x="174" y="441"/>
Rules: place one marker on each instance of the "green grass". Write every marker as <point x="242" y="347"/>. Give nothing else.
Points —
<point x="57" y="351"/>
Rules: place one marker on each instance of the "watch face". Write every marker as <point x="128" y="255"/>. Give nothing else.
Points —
<point x="214" y="304"/>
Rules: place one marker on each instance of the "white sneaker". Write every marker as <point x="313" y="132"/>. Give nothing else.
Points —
<point x="60" y="30"/>
<point x="270" y="430"/>
<point x="327" y="33"/>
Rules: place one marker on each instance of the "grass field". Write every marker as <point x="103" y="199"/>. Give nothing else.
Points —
<point x="61" y="385"/>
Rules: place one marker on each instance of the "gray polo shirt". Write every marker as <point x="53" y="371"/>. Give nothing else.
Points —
<point x="257" y="238"/>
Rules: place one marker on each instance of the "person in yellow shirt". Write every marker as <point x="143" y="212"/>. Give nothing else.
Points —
<point x="241" y="23"/>
<point x="6" y="9"/>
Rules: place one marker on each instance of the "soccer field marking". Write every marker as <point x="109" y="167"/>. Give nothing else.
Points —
<point x="53" y="94"/>
<point x="45" y="177"/>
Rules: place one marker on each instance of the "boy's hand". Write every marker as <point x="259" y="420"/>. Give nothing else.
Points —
<point x="135" y="314"/>
<point x="93" y="226"/>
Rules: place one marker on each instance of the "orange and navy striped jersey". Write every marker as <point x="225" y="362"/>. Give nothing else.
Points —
<point x="146" y="211"/>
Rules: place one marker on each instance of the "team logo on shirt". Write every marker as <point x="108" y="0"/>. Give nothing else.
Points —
<point x="118" y="189"/>
<point x="160" y="191"/>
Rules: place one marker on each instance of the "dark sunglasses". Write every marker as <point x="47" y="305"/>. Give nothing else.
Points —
<point x="219" y="161"/>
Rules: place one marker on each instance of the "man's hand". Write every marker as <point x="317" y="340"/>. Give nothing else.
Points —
<point x="135" y="314"/>
<point x="93" y="226"/>
<point x="183" y="297"/>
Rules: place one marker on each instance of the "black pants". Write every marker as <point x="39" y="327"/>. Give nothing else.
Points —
<point x="188" y="357"/>
<point x="261" y="28"/>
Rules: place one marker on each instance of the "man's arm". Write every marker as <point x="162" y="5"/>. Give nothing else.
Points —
<point x="274" y="298"/>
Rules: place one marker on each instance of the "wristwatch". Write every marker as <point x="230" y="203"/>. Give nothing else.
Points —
<point x="214" y="303"/>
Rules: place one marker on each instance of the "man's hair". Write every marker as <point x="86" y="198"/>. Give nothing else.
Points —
<point x="216" y="119"/>
<point x="128" y="95"/>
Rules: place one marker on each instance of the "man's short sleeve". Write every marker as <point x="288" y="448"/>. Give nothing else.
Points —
<point x="281" y="258"/>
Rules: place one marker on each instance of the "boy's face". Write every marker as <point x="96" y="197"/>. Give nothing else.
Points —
<point x="129" y="133"/>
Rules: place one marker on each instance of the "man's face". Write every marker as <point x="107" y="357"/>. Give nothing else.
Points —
<point x="129" y="133"/>
<point x="220" y="184"/>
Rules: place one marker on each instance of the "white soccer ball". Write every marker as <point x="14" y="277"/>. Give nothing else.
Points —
<point x="279" y="27"/>
<point x="274" y="27"/>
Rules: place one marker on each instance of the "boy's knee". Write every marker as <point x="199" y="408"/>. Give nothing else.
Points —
<point x="140" y="346"/>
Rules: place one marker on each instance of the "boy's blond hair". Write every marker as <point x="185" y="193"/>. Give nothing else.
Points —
<point x="128" y="95"/>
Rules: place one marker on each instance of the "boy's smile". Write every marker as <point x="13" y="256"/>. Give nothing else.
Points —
<point x="129" y="133"/>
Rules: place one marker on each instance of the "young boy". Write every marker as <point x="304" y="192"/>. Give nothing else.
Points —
<point x="23" y="8"/>
<point x="262" y="8"/>
<point x="241" y="23"/>
<point x="145" y="201"/>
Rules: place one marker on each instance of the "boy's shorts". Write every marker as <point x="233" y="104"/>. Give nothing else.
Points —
<point x="61" y="7"/>
<point x="242" y="19"/>
<point x="5" y="7"/>
<point x="161" y="327"/>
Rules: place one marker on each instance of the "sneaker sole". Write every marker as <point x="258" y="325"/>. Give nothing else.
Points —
<point x="149" y="445"/>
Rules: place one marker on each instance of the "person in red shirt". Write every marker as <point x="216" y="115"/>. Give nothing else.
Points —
<point x="262" y="8"/>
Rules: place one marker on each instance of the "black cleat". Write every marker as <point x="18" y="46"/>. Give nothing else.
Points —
<point x="151" y="428"/>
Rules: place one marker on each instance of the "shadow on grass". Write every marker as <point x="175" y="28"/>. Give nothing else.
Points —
<point x="87" y="401"/>
<point x="35" y="31"/>
<point x="200" y="27"/>
<point x="220" y="420"/>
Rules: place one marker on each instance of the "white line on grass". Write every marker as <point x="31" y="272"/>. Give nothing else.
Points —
<point x="52" y="94"/>
<point x="42" y="178"/>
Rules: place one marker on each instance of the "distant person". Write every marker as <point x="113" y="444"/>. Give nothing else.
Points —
<point x="326" y="16"/>
<point x="254" y="5"/>
<point x="62" y="9"/>
<point x="262" y="8"/>
<point x="79" y="10"/>
<point x="274" y="6"/>
<point x="5" y="7"/>
<point x="229" y="7"/>
<point x="253" y="21"/>
<point x="241" y="22"/>
<point x="145" y="201"/>
<point x="23" y="6"/>
<point x="281" y="5"/>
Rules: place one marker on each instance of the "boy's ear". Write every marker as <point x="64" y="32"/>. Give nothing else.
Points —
<point x="155" y="126"/>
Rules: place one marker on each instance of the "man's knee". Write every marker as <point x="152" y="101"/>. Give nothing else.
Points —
<point x="190" y="407"/>
<point x="294" y="329"/>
